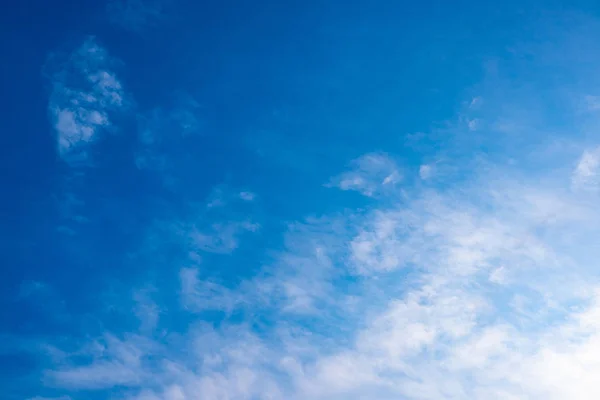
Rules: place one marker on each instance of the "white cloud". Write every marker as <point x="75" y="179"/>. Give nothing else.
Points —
<point x="371" y="174"/>
<point x="498" y="275"/>
<point x="473" y="124"/>
<point x="201" y="295"/>
<point x="111" y="362"/>
<point x="222" y="196"/>
<point x="247" y="196"/>
<point x="587" y="172"/>
<point x="302" y="275"/>
<point x="491" y="305"/>
<point x="476" y="102"/>
<point x="84" y="94"/>
<point x="426" y="171"/>
<point x="485" y="288"/>
<point x="220" y="237"/>
<point x="146" y="310"/>
<point x="217" y="226"/>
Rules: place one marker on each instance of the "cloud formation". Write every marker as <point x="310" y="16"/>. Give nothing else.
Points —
<point x="370" y="175"/>
<point x="481" y="285"/>
<point x="85" y="92"/>
<point x="497" y="302"/>
<point x="586" y="174"/>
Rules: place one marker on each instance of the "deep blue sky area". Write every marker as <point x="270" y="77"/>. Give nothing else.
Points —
<point x="184" y="179"/>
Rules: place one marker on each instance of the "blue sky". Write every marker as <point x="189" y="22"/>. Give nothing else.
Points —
<point x="300" y="200"/>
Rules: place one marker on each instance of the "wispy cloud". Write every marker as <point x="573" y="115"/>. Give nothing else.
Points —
<point x="110" y="362"/>
<point x="587" y="172"/>
<point x="220" y="237"/>
<point x="201" y="295"/>
<point x="492" y="306"/>
<point x="226" y="217"/>
<point x="146" y="309"/>
<point x="426" y="171"/>
<point x="247" y="196"/>
<point x="370" y="175"/>
<point x="85" y="91"/>
<point x="485" y="287"/>
<point x="223" y="195"/>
